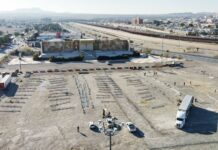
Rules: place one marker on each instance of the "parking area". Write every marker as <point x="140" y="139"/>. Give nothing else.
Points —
<point x="44" y="110"/>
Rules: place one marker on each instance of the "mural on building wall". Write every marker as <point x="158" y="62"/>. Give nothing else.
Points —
<point x="60" y="46"/>
<point x="74" y="45"/>
<point x="111" y="45"/>
<point x="52" y="46"/>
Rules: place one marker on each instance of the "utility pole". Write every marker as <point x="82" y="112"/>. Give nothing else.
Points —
<point x="20" y="59"/>
<point x="110" y="133"/>
<point x="179" y="41"/>
<point x="110" y="141"/>
<point x="162" y="44"/>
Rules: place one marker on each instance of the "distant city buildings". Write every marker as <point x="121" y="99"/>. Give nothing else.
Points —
<point x="203" y="25"/>
<point x="137" y="21"/>
<point x="46" y="20"/>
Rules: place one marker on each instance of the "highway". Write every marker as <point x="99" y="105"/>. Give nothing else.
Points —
<point x="186" y="56"/>
<point x="204" y="49"/>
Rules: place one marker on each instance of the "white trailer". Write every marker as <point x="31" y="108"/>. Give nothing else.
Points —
<point x="5" y="81"/>
<point x="183" y="111"/>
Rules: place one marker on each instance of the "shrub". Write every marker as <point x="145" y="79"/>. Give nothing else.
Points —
<point x="216" y="57"/>
<point x="54" y="59"/>
<point x="135" y="54"/>
<point x="103" y="58"/>
<point x="36" y="57"/>
<point x="6" y="58"/>
<point x="114" y="57"/>
<point x="14" y="53"/>
<point x="148" y="51"/>
<point x="166" y="55"/>
<point x="180" y="57"/>
<point x="27" y="51"/>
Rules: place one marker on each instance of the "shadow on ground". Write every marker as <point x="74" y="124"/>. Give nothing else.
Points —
<point x="83" y="134"/>
<point x="10" y="91"/>
<point x="201" y="121"/>
<point x="138" y="133"/>
<point x="96" y="130"/>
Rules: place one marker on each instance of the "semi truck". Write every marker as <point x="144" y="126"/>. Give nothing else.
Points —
<point x="183" y="111"/>
<point x="5" y="81"/>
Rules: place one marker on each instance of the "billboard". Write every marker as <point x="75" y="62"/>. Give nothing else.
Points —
<point x="60" y="46"/>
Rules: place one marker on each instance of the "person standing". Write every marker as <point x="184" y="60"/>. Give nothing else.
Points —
<point x="103" y="113"/>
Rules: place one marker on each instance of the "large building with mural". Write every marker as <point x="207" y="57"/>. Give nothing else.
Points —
<point x="59" y="47"/>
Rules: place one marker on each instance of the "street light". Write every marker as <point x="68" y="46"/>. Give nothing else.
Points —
<point x="162" y="43"/>
<point x="110" y="133"/>
<point x="112" y="129"/>
<point x="20" y="55"/>
<point x="179" y="40"/>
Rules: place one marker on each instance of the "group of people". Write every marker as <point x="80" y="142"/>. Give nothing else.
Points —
<point x="155" y="73"/>
<point x="104" y="115"/>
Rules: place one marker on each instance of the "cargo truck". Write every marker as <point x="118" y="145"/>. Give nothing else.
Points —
<point x="183" y="111"/>
<point x="5" y="81"/>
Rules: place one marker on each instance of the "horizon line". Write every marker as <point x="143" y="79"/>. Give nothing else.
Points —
<point x="83" y="13"/>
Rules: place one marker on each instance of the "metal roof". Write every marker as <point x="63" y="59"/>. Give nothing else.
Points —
<point x="186" y="102"/>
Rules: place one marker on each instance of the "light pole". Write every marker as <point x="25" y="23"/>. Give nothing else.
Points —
<point x="110" y="132"/>
<point x="20" y="55"/>
<point x="179" y="43"/>
<point x="162" y="43"/>
<point x="179" y="40"/>
<point x="110" y="142"/>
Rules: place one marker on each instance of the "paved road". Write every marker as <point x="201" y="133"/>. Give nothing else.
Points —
<point x="72" y="65"/>
<point x="205" y="49"/>
<point x="186" y="56"/>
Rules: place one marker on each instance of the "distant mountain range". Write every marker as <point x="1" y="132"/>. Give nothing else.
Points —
<point x="37" y="13"/>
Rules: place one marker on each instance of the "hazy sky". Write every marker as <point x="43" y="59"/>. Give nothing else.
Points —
<point x="114" y="6"/>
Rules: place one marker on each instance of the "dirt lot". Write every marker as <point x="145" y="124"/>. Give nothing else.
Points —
<point x="11" y="30"/>
<point x="43" y="111"/>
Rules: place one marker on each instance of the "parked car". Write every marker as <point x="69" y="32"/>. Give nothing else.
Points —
<point x="92" y="125"/>
<point x="109" y="63"/>
<point x="27" y="74"/>
<point x="131" y="127"/>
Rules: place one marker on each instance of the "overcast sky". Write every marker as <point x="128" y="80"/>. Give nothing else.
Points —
<point x="114" y="6"/>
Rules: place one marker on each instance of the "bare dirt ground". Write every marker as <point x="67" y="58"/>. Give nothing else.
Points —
<point x="11" y="30"/>
<point x="43" y="111"/>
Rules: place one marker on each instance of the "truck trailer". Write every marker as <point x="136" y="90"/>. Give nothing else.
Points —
<point x="183" y="111"/>
<point x="5" y="81"/>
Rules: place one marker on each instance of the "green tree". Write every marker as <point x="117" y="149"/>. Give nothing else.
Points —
<point x="5" y="39"/>
<point x="182" y="24"/>
<point x="191" y="25"/>
<point x="16" y="33"/>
